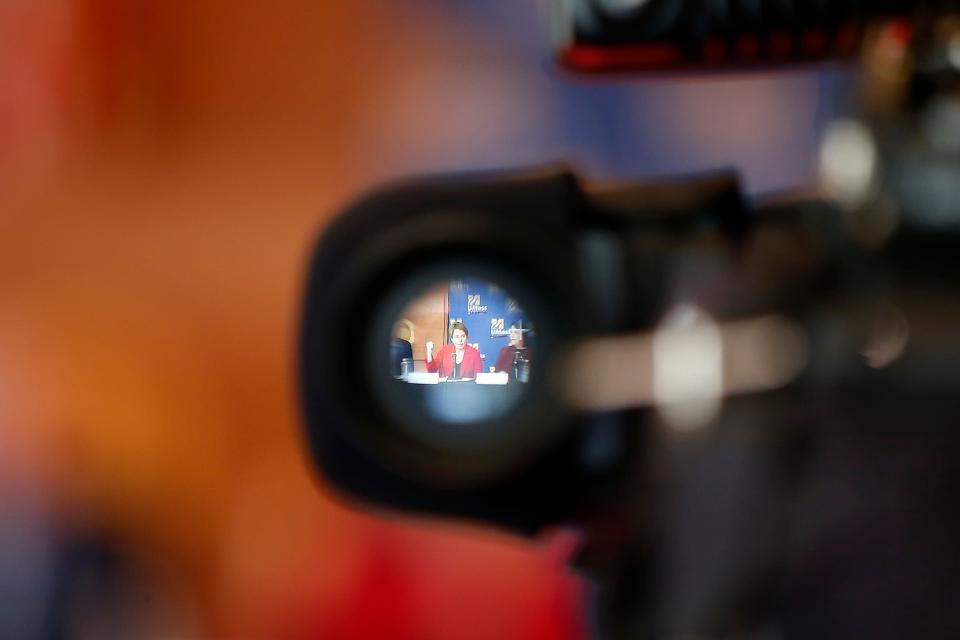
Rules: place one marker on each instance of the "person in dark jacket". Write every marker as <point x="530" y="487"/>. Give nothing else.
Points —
<point x="400" y="346"/>
<point x="510" y="356"/>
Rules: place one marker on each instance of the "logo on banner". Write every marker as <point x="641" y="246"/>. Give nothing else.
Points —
<point x="496" y="328"/>
<point x="512" y="306"/>
<point x="473" y="304"/>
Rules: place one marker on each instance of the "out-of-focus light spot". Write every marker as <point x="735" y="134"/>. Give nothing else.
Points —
<point x="762" y="353"/>
<point x="623" y="7"/>
<point x="610" y="373"/>
<point x="888" y="333"/>
<point x="941" y="124"/>
<point x="848" y="161"/>
<point x="688" y="367"/>
<point x="953" y="51"/>
<point x="685" y="366"/>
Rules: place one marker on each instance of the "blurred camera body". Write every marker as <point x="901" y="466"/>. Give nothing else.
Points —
<point x="748" y="410"/>
<point x="669" y="35"/>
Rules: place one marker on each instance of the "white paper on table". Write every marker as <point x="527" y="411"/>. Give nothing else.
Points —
<point x="423" y="377"/>
<point x="500" y="377"/>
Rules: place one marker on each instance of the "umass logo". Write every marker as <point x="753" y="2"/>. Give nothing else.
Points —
<point x="473" y="304"/>
<point x="497" y="329"/>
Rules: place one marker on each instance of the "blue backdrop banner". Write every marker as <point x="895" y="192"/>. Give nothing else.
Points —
<point x="487" y="311"/>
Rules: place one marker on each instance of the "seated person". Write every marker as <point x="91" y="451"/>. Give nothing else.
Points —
<point x="509" y="356"/>
<point x="457" y="360"/>
<point x="400" y="350"/>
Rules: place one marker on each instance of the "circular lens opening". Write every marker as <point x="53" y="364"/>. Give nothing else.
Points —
<point x="461" y="351"/>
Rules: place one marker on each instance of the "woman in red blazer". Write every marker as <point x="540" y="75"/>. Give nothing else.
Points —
<point x="457" y="360"/>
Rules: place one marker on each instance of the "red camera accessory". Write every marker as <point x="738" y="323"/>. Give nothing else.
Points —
<point x="664" y="35"/>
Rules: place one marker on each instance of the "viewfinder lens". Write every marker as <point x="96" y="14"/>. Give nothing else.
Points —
<point x="463" y="350"/>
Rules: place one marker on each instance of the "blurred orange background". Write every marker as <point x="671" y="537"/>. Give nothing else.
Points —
<point x="164" y="171"/>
